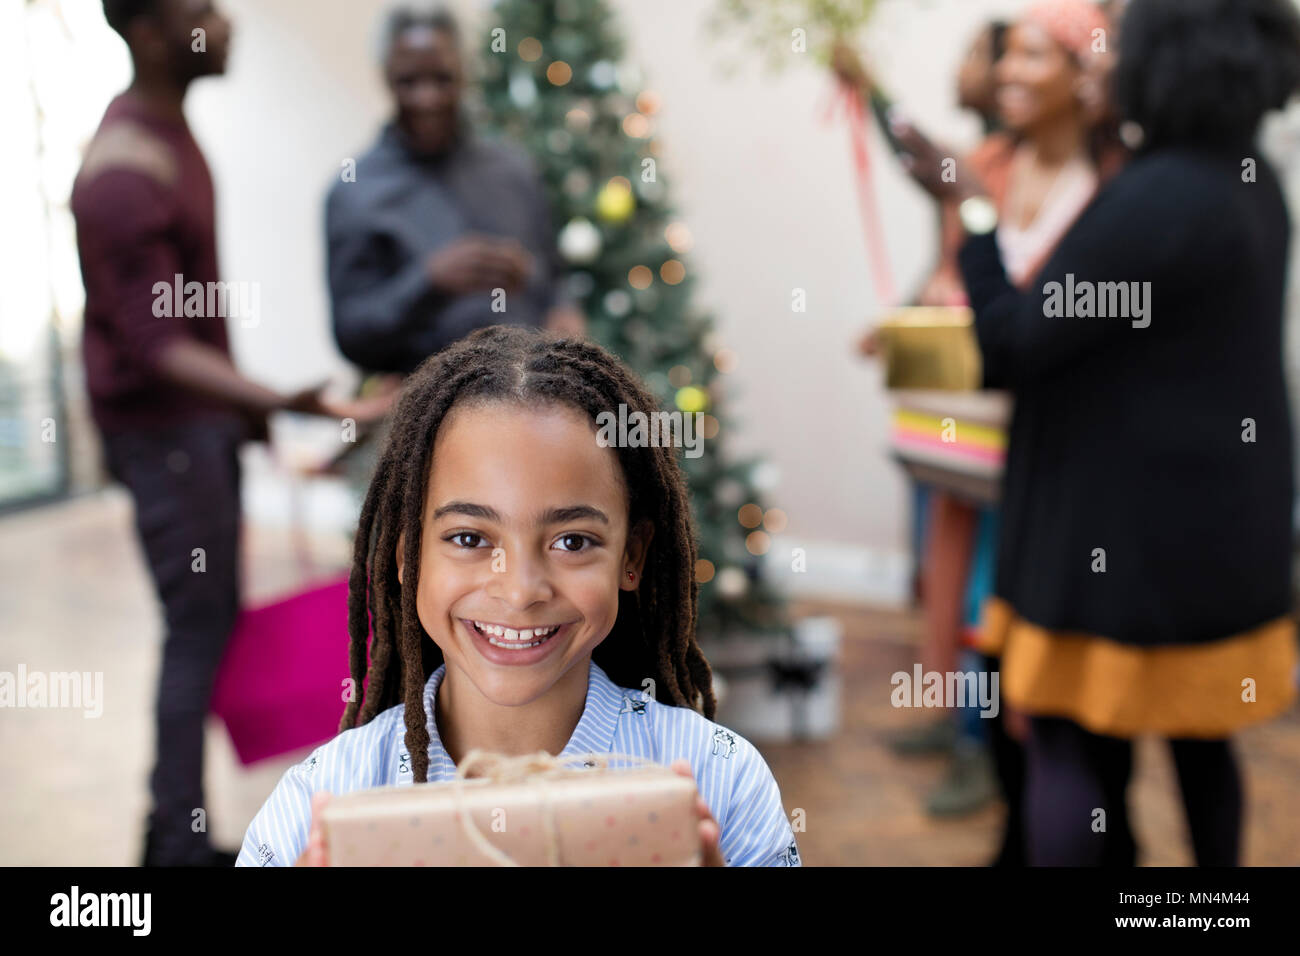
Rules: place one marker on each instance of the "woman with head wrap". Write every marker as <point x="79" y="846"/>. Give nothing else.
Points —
<point x="1041" y="169"/>
<point x="1143" y="575"/>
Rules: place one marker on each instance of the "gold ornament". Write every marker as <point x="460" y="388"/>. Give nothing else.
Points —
<point x="615" y="202"/>
<point x="692" y="399"/>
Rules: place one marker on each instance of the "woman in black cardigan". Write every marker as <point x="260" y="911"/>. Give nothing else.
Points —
<point x="1143" y="578"/>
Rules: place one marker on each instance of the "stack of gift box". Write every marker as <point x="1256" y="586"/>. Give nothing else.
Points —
<point x="947" y="432"/>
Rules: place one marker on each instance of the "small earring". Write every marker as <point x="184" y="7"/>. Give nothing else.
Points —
<point x="631" y="576"/>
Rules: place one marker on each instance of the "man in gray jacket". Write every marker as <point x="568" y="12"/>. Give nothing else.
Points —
<point x="440" y="231"/>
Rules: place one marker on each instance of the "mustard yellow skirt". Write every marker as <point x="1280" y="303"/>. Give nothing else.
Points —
<point x="1204" y="691"/>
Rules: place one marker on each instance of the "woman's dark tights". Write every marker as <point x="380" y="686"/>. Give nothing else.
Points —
<point x="1073" y="774"/>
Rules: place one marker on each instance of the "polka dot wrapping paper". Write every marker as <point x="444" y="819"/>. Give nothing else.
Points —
<point x="581" y="817"/>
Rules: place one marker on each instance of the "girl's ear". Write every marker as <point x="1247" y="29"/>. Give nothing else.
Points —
<point x="634" y="557"/>
<point x="401" y="540"/>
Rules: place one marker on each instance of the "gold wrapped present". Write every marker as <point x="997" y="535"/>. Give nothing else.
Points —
<point x="930" y="348"/>
<point x="534" y="810"/>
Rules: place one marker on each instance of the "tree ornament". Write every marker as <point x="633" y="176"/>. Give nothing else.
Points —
<point x="580" y="241"/>
<point x="692" y="399"/>
<point x="615" y="202"/>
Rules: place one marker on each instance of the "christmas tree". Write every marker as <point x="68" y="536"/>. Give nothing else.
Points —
<point x="554" y="81"/>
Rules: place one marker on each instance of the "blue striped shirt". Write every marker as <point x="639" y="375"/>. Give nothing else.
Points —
<point x="730" y="773"/>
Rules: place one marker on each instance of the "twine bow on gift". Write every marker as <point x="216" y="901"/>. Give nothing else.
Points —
<point x="536" y="768"/>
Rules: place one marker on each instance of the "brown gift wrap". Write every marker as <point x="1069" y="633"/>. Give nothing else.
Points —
<point x="526" y="811"/>
<point x="931" y="348"/>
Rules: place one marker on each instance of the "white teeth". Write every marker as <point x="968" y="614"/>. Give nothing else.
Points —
<point x="514" y="645"/>
<point x="523" y="637"/>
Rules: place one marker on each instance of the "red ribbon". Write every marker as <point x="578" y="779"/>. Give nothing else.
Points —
<point x="849" y="100"/>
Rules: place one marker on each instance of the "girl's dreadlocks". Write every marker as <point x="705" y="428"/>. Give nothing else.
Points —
<point x="654" y="634"/>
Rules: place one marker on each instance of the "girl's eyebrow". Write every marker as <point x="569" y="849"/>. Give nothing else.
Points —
<point x="550" y="516"/>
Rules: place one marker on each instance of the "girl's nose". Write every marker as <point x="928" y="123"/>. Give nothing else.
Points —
<point x="518" y="580"/>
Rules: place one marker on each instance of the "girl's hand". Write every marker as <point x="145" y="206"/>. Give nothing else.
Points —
<point x="869" y="346"/>
<point x="710" y="832"/>
<point x="945" y="288"/>
<point x="315" y="854"/>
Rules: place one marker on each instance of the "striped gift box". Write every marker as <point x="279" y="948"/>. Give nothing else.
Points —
<point x="953" y="441"/>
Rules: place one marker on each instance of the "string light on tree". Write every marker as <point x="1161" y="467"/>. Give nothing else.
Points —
<point x="559" y="73"/>
<point x="577" y="183"/>
<point x="530" y="49"/>
<point x="578" y="120"/>
<point x="678" y="237"/>
<point x="750" y="516"/>
<point x="672" y="272"/>
<point x="603" y="75"/>
<point x="639" y="277"/>
<point x="636" y="125"/>
<point x="617" y="303"/>
<point x="732" y="583"/>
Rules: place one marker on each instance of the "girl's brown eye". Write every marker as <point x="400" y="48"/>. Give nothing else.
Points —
<point x="576" y="540"/>
<point x="474" y="541"/>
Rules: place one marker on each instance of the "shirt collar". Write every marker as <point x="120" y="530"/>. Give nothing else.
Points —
<point x="594" y="733"/>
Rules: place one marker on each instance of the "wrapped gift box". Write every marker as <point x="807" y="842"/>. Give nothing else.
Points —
<point x="642" y="816"/>
<point x="931" y="348"/>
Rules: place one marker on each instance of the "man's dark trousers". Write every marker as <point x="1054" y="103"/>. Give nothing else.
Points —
<point x="185" y="483"/>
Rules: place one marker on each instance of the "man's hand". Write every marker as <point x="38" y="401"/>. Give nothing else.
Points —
<point x="478" y="262"/>
<point x="307" y="401"/>
<point x="363" y="411"/>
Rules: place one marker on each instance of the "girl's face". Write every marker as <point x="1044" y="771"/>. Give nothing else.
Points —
<point x="525" y="547"/>
<point x="1037" y="79"/>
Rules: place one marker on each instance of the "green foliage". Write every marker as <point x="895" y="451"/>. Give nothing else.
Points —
<point x="770" y="28"/>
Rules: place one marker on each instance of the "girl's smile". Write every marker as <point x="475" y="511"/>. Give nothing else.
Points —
<point x="516" y="646"/>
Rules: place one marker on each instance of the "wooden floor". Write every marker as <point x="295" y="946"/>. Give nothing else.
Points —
<point x="864" y="806"/>
<point x="74" y="595"/>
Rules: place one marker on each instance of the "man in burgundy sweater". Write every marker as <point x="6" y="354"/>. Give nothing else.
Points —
<point x="170" y="406"/>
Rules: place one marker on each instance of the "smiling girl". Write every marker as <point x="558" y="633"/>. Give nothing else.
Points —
<point x="527" y="589"/>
